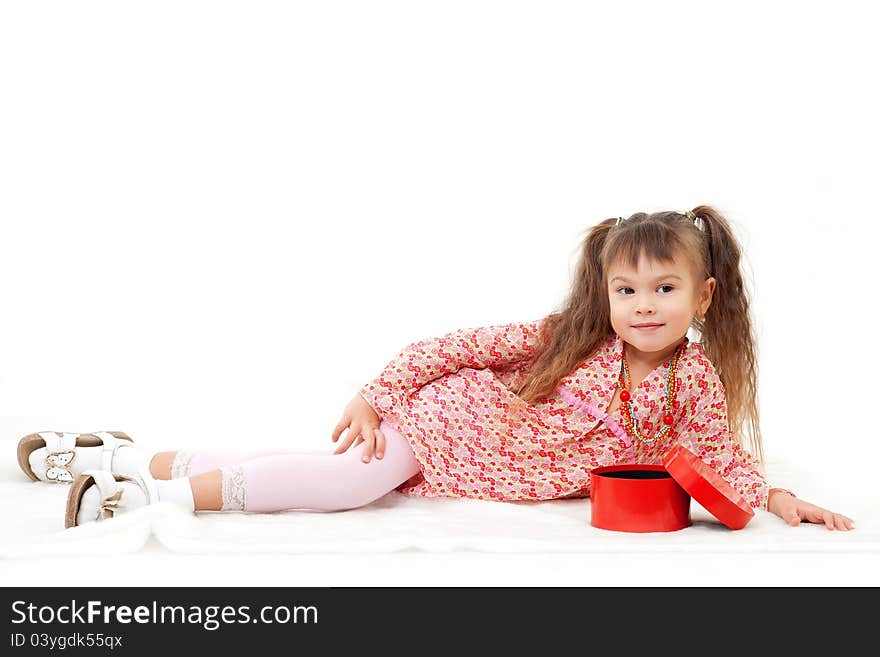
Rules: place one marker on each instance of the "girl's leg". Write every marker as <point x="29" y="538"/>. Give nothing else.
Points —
<point x="171" y="465"/>
<point x="316" y="481"/>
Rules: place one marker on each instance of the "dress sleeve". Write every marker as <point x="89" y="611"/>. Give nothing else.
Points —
<point x="429" y="359"/>
<point x="707" y="434"/>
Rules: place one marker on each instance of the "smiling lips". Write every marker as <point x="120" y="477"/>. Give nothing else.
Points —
<point x="647" y="327"/>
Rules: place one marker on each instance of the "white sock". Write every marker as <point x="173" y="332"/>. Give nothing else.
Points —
<point x="127" y="460"/>
<point x="177" y="491"/>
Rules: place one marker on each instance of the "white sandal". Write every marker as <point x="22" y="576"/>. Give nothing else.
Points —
<point x="111" y="500"/>
<point x="61" y="450"/>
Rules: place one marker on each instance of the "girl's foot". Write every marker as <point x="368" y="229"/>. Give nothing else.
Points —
<point x="98" y="495"/>
<point x="58" y="457"/>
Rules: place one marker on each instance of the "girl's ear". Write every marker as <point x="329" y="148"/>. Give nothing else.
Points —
<point x="706" y="295"/>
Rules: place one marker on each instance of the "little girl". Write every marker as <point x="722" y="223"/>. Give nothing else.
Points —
<point x="520" y="411"/>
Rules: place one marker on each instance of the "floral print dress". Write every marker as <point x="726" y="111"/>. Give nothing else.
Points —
<point x="450" y="396"/>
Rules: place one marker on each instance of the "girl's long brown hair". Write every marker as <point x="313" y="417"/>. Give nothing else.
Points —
<point x="575" y="332"/>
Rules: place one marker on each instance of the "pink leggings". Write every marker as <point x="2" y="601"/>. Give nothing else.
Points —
<point x="277" y="480"/>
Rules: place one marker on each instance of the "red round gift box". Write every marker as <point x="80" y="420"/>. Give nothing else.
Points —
<point x="657" y="498"/>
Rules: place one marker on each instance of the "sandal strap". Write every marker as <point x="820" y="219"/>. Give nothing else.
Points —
<point x="149" y="485"/>
<point x="66" y="442"/>
<point x="105" y="482"/>
<point x="111" y="444"/>
<point x="110" y="491"/>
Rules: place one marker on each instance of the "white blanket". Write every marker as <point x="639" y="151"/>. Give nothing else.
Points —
<point x="33" y="519"/>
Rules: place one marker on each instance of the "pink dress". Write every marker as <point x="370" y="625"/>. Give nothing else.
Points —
<point x="450" y="397"/>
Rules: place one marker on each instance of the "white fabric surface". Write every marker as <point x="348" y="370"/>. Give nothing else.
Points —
<point x="33" y="516"/>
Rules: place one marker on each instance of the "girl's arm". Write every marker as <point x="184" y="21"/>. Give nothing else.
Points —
<point x="429" y="359"/>
<point x="708" y="436"/>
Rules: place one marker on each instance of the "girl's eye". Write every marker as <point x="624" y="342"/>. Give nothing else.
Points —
<point x="621" y="289"/>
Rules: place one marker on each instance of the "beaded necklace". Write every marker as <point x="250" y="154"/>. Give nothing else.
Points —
<point x="632" y="425"/>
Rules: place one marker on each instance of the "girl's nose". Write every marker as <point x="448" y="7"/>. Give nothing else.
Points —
<point x="644" y="309"/>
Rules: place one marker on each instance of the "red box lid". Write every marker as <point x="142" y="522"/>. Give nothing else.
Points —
<point x="708" y="488"/>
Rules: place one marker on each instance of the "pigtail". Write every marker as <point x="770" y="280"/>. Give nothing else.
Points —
<point x="579" y="328"/>
<point x="728" y="338"/>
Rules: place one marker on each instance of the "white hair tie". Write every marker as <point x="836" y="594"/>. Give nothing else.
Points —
<point x="698" y="221"/>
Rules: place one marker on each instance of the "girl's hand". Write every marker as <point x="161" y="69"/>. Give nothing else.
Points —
<point x="363" y="425"/>
<point x="792" y="510"/>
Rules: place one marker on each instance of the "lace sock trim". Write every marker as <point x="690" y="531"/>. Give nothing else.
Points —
<point x="180" y="465"/>
<point x="233" y="488"/>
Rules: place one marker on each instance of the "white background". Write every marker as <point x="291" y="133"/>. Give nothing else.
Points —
<point x="220" y="219"/>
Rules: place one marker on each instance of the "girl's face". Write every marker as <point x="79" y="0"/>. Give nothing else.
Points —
<point x="662" y="294"/>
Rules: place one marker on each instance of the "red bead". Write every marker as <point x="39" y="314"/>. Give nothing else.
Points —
<point x="667" y="419"/>
<point x="624" y="395"/>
